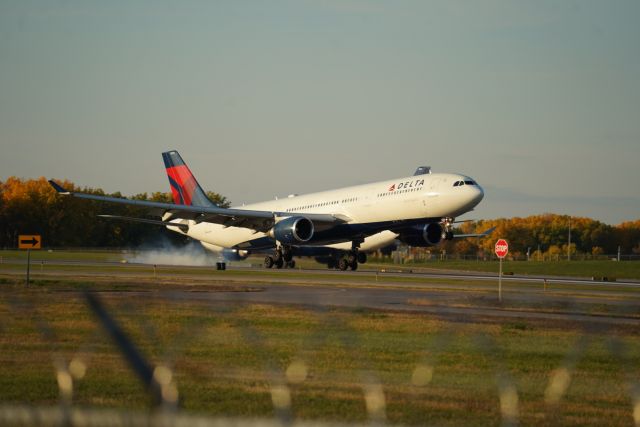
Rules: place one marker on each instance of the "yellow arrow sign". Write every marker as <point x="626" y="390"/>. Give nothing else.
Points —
<point x="29" y="241"/>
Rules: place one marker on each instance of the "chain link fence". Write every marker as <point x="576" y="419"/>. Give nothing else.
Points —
<point x="161" y="339"/>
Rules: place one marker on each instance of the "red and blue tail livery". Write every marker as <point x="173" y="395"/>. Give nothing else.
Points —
<point x="184" y="187"/>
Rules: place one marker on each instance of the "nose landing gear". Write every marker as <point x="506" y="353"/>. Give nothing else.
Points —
<point x="447" y="228"/>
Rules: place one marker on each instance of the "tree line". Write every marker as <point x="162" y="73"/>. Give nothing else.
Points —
<point x="31" y="206"/>
<point x="548" y="235"/>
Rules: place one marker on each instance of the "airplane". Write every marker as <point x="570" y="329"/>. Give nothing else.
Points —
<point x="338" y="227"/>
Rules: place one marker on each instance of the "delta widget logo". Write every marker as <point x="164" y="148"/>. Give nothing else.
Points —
<point x="407" y="185"/>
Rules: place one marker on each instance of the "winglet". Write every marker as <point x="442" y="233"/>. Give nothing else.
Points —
<point x="422" y="170"/>
<point x="489" y="231"/>
<point x="58" y="187"/>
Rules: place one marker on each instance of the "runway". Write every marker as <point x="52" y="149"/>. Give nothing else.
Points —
<point x="458" y="307"/>
<point x="459" y="297"/>
<point x="387" y="271"/>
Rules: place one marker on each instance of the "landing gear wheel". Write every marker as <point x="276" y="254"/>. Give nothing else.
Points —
<point x="287" y="256"/>
<point x="331" y="264"/>
<point x="221" y="266"/>
<point x="353" y="266"/>
<point x="268" y="261"/>
<point x="352" y="258"/>
<point x="343" y="264"/>
<point x="291" y="264"/>
<point x="362" y="258"/>
<point x="279" y="263"/>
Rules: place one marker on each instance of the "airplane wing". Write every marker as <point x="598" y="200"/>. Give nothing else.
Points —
<point x="483" y="234"/>
<point x="255" y="220"/>
<point x="183" y="227"/>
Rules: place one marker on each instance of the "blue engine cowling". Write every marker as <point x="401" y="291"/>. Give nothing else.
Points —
<point x="422" y="235"/>
<point x="227" y="254"/>
<point x="234" y="254"/>
<point x="293" y="230"/>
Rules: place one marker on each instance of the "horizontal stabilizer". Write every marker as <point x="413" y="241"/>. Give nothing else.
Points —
<point x="183" y="227"/>
<point x="58" y="187"/>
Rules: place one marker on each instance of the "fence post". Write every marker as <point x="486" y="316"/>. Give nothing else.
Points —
<point x="500" y="282"/>
<point x="28" y="265"/>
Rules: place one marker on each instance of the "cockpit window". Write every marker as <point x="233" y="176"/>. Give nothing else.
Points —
<point x="461" y="183"/>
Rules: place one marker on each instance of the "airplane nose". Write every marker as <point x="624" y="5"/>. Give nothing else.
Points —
<point x="480" y="194"/>
<point x="477" y="195"/>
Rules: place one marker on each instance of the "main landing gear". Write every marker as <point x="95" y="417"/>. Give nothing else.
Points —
<point x="349" y="260"/>
<point x="221" y="265"/>
<point x="283" y="257"/>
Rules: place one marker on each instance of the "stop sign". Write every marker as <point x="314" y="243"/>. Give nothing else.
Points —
<point x="502" y="248"/>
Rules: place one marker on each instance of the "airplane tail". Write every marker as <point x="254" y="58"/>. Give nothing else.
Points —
<point x="184" y="187"/>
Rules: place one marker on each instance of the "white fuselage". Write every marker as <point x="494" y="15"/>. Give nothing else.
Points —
<point x="426" y="196"/>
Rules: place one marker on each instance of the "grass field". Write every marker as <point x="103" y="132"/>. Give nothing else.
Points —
<point x="613" y="269"/>
<point x="199" y="276"/>
<point x="233" y="360"/>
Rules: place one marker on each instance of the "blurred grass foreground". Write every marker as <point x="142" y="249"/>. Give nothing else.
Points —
<point x="229" y="364"/>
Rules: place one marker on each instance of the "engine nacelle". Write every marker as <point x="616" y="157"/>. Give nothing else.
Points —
<point x="235" y="254"/>
<point x="422" y="235"/>
<point x="226" y="254"/>
<point x="293" y="230"/>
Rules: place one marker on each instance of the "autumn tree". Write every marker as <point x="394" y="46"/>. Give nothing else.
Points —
<point x="33" y="207"/>
<point x="550" y="233"/>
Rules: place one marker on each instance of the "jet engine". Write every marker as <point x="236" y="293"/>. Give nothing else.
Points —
<point x="293" y="230"/>
<point x="226" y="254"/>
<point x="422" y="235"/>
<point x="234" y="254"/>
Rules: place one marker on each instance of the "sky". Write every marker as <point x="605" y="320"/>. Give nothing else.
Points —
<point x="539" y="101"/>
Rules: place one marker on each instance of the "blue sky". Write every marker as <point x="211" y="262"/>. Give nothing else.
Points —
<point x="537" y="100"/>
